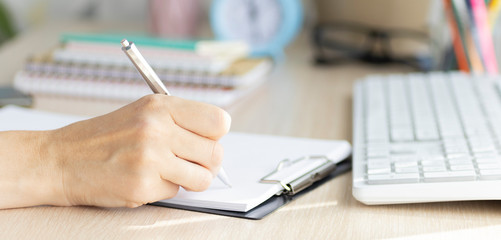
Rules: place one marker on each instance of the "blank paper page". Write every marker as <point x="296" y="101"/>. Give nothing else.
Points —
<point x="18" y="118"/>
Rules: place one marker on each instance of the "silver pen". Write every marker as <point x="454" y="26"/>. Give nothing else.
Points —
<point x="155" y="83"/>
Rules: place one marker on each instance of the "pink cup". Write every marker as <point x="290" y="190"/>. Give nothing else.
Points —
<point x="174" y="18"/>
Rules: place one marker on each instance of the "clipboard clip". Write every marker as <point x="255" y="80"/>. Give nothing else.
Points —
<point x="318" y="168"/>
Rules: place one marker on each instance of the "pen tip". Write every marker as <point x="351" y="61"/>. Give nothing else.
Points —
<point x="125" y="43"/>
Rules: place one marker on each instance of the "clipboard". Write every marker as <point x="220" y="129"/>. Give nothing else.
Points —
<point x="291" y="190"/>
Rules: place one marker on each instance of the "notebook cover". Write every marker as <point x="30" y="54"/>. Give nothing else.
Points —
<point x="268" y="206"/>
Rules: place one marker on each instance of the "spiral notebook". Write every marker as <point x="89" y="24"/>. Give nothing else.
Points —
<point x="260" y="167"/>
<point x="128" y="91"/>
<point x="188" y="55"/>
<point x="102" y="71"/>
<point x="241" y="73"/>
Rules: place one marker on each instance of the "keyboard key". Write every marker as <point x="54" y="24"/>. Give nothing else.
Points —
<point x="378" y="145"/>
<point x="378" y="167"/>
<point x="405" y="164"/>
<point x="378" y="170"/>
<point x="480" y="141"/>
<point x="426" y="134"/>
<point x="393" y="178"/>
<point x="407" y="170"/>
<point x="455" y="141"/>
<point x="483" y="149"/>
<point x="378" y="164"/>
<point x="490" y="174"/>
<point x="457" y="155"/>
<point x="400" y="135"/>
<point x="437" y="157"/>
<point x="485" y="154"/>
<point x="435" y="169"/>
<point x="462" y="167"/>
<point x="377" y="138"/>
<point x="377" y="153"/>
<point x="451" y="132"/>
<point x="424" y="152"/>
<point x="460" y="161"/>
<point x="399" y="150"/>
<point x="485" y="166"/>
<point x="433" y="163"/>
<point x="410" y="158"/>
<point x="449" y="176"/>
<point x="456" y="149"/>
<point x="477" y="131"/>
<point x="488" y="160"/>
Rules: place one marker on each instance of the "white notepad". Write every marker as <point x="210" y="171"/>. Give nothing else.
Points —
<point x="247" y="159"/>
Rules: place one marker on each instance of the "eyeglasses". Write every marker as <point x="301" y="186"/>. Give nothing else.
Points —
<point x="343" y="41"/>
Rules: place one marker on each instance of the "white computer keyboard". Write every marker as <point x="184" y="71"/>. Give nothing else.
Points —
<point x="427" y="137"/>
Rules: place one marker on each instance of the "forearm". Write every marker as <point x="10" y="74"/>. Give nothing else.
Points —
<point x="29" y="176"/>
<point x="138" y="154"/>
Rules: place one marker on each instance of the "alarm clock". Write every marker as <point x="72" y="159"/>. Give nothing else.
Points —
<point x="267" y="26"/>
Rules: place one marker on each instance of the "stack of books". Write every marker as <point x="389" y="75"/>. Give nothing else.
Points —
<point x="472" y="23"/>
<point x="94" y="66"/>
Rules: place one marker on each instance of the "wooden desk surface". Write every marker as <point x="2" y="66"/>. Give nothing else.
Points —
<point x="298" y="100"/>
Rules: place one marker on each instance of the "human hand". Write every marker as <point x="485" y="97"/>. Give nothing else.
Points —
<point x="140" y="153"/>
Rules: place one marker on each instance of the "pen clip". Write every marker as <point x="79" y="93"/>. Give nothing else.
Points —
<point x="317" y="169"/>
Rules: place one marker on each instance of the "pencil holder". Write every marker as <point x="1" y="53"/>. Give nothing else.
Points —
<point x="465" y="34"/>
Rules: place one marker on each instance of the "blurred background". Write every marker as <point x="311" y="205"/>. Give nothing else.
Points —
<point x="190" y="18"/>
<point x="26" y="14"/>
<point x="418" y="35"/>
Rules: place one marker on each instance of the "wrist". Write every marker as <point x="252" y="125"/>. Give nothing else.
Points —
<point x="30" y="174"/>
<point x="49" y="157"/>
